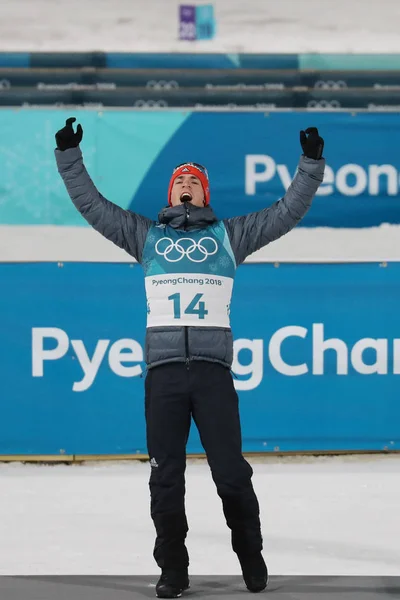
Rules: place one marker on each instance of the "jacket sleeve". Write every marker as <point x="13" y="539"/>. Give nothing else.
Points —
<point x="251" y="232"/>
<point x="124" y="228"/>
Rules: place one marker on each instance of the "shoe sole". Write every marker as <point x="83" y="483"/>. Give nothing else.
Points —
<point x="262" y="589"/>
<point x="176" y="596"/>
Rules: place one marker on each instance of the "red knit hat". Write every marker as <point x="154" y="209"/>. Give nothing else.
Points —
<point x="192" y="169"/>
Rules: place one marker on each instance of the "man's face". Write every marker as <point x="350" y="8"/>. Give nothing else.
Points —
<point x="187" y="188"/>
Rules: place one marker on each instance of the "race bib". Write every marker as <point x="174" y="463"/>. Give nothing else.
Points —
<point x="200" y="300"/>
<point x="189" y="277"/>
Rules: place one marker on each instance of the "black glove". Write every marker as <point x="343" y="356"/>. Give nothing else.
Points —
<point x="313" y="145"/>
<point x="67" y="138"/>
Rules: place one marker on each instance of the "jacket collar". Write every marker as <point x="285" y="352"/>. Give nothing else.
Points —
<point x="186" y="216"/>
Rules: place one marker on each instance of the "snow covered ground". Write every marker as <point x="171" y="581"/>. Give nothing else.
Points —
<point x="243" y="26"/>
<point x="327" y="515"/>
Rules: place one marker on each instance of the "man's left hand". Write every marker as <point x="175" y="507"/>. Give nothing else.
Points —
<point x="312" y="143"/>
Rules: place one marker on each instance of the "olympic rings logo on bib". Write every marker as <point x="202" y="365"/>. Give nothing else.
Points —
<point x="196" y="252"/>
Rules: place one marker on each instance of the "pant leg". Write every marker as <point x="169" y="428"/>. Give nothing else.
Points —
<point x="167" y="409"/>
<point x="215" y="407"/>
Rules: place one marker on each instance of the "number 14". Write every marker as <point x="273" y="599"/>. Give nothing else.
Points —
<point x="191" y="309"/>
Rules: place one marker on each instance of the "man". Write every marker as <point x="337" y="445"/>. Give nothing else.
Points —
<point x="189" y="258"/>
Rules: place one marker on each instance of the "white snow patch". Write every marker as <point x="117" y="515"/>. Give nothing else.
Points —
<point x="327" y="516"/>
<point x="302" y="244"/>
<point x="152" y="26"/>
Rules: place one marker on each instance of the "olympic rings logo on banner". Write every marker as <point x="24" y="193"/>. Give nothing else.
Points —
<point x="324" y="104"/>
<point x="187" y="252"/>
<point x="162" y="85"/>
<point x="151" y="104"/>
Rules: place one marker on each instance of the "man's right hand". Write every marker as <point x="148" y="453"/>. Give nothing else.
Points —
<point x="67" y="138"/>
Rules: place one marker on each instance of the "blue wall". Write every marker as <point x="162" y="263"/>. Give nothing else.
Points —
<point x="296" y="394"/>
<point x="251" y="158"/>
<point x="181" y="60"/>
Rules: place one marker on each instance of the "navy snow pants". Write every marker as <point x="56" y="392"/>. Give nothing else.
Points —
<point x="173" y="395"/>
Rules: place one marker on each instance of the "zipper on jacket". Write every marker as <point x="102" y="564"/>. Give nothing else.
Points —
<point x="187" y="216"/>
<point x="187" y="361"/>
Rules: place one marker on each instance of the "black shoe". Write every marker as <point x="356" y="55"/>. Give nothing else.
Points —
<point x="172" y="583"/>
<point x="255" y="572"/>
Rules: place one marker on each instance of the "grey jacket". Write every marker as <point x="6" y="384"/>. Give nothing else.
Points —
<point x="247" y="234"/>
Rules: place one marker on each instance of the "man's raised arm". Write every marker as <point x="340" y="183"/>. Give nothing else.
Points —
<point x="251" y="232"/>
<point x="124" y="228"/>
